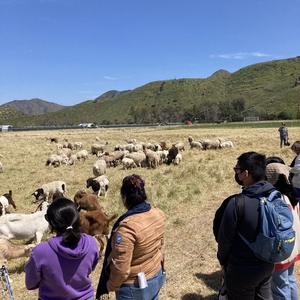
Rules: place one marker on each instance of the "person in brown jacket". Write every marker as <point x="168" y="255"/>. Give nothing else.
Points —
<point x="133" y="264"/>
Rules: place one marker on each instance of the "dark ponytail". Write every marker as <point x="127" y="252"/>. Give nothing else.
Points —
<point x="63" y="216"/>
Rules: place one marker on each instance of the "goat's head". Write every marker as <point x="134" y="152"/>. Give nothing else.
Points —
<point x="38" y="193"/>
<point x="43" y="206"/>
<point x="89" y="182"/>
<point x="95" y="185"/>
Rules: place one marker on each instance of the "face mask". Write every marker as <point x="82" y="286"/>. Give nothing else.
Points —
<point x="236" y="177"/>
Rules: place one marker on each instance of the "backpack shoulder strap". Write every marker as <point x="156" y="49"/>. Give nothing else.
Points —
<point x="240" y="206"/>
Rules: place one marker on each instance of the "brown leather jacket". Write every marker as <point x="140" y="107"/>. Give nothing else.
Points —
<point x="136" y="247"/>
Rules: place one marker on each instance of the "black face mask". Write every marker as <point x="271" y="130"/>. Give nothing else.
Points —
<point x="236" y="177"/>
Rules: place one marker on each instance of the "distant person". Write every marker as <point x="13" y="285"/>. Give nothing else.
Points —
<point x="295" y="168"/>
<point x="283" y="283"/>
<point x="284" y="134"/>
<point x="134" y="246"/>
<point x="246" y="276"/>
<point x="60" y="268"/>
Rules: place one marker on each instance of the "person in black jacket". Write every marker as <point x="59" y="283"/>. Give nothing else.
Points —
<point x="246" y="276"/>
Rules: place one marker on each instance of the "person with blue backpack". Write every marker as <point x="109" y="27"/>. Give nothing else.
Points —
<point x="283" y="283"/>
<point x="247" y="276"/>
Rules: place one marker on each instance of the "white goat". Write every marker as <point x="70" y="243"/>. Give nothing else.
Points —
<point x="128" y="163"/>
<point x="99" y="167"/>
<point x="48" y="189"/>
<point x="227" y="144"/>
<point x="178" y="159"/>
<point x="24" y="226"/>
<point x="78" y="145"/>
<point x="98" y="184"/>
<point x="83" y="154"/>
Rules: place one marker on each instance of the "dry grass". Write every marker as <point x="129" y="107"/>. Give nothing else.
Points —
<point x="189" y="194"/>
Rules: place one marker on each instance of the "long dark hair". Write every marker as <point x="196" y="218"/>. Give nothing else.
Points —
<point x="133" y="188"/>
<point x="286" y="189"/>
<point x="63" y="217"/>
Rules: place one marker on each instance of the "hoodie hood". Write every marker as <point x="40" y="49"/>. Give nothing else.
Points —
<point x="262" y="188"/>
<point x="76" y="251"/>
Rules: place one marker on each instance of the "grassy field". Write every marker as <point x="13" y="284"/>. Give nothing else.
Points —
<point x="189" y="194"/>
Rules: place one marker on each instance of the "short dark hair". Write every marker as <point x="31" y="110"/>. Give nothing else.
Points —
<point x="63" y="216"/>
<point x="254" y="163"/>
<point x="133" y="188"/>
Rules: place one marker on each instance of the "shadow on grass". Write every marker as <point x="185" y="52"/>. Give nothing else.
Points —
<point x="213" y="281"/>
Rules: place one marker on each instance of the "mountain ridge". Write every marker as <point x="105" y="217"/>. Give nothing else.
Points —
<point x="268" y="90"/>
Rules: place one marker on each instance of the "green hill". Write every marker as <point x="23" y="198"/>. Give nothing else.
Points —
<point x="267" y="90"/>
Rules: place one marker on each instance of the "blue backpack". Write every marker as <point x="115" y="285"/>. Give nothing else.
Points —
<point x="276" y="239"/>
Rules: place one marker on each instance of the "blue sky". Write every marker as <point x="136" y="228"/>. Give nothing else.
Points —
<point x="70" y="51"/>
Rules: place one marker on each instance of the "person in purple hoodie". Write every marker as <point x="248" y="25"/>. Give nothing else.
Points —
<point x="60" y="268"/>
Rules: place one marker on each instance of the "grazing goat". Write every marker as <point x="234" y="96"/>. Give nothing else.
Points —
<point x="177" y="159"/>
<point x="138" y="157"/>
<point x="163" y="145"/>
<point x="152" y="158"/>
<point x="78" y="145"/>
<point x="84" y="200"/>
<point x="99" y="167"/>
<point x="173" y="151"/>
<point x="7" y="200"/>
<point x="83" y="154"/>
<point x="10" y="251"/>
<point x="196" y="144"/>
<point x="98" y="184"/>
<point x="119" y="155"/>
<point x="96" y="224"/>
<point x="110" y="159"/>
<point x="210" y="144"/>
<point x="54" y="160"/>
<point x="180" y="146"/>
<point x="128" y="163"/>
<point x="25" y="226"/>
<point x="227" y="144"/>
<point x="95" y="148"/>
<point x="48" y="189"/>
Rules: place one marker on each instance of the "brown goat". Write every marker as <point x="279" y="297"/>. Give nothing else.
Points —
<point x="84" y="200"/>
<point x="96" y="223"/>
<point x="7" y="200"/>
<point x="110" y="159"/>
<point x="163" y="145"/>
<point x="57" y="195"/>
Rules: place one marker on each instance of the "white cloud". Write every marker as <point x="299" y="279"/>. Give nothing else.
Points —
<point x="240" y="55"/>
<point x="109" y="78"/>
